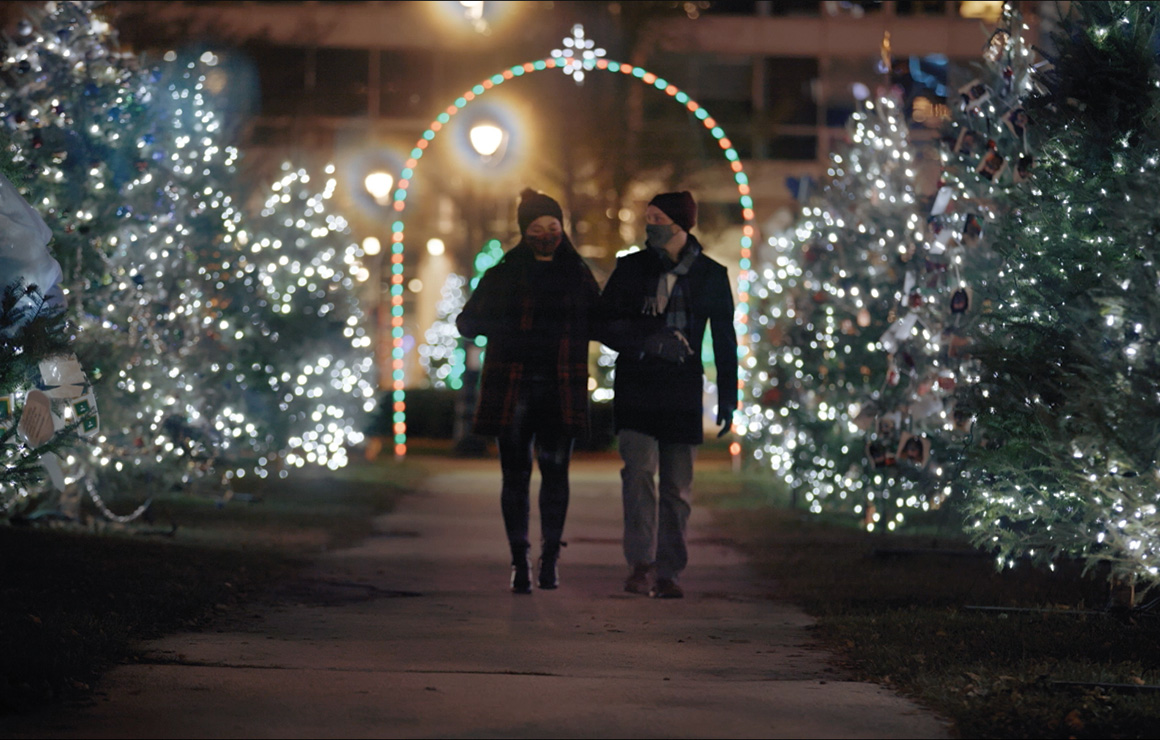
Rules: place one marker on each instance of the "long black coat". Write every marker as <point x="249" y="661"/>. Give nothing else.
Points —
<point x="654" y="396"/>
<point x="502" y="309"/>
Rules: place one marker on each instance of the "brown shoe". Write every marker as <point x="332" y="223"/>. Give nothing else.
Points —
<point x="637" y="582"/>
<point x="666" y="588"/>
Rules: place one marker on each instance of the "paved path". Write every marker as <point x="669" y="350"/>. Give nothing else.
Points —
<point x="413" y="634"/>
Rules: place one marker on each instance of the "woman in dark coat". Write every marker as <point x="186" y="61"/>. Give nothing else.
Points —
<point x="656" y="306"/>
<point x="535" y="307"/>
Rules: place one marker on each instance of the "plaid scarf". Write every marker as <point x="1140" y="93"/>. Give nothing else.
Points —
<point x="673" y="302"/>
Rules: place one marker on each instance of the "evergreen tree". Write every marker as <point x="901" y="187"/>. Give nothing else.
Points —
<point x="307" y="386"/>
<point x="121" y="161"/>
<point x="441" y="356"/>
<point x="42" y="389"/>
<point x="168" y="321"/>
<point x="73" y="109"/>
<point x="31" y="332"/>
<point x="865" y="310"/>
<point x="1069" y="396"/>
<point x="845" y="356"/>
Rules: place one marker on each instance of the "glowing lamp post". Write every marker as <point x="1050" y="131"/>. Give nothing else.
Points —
<point x="378" y="185"/>
<point x="486" y="139"/>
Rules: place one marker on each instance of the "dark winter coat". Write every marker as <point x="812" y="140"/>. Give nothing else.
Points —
<point x="653" y="395"/>
<point x="522" y="322"/>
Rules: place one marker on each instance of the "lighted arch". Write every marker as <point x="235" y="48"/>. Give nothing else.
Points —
<point x="749" y="230"/>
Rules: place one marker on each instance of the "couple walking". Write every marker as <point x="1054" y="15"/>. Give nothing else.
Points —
<point x="539" y="307"/>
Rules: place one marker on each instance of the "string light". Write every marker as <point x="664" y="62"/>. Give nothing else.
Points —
<point x="748" y="230"/>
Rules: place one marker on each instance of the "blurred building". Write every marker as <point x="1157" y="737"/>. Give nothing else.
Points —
<point x="357" y="83"/>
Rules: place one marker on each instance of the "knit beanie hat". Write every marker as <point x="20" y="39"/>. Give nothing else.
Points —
<point x="680" y="207"/>
<point x="533" y="205"/>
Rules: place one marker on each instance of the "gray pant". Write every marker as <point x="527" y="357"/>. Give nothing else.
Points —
<point x="651" y="524"/>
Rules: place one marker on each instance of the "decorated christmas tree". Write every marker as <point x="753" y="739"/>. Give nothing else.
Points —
<point x="1069" y="396"/>
<point x="308" y="379"/>
<point x="220" y="347"/>
<point x="73" y="109"/>
<point x="441" y="356"/>
<point x="134" y="177"/>
<point x="842" y="359"/>
<point x="29" y="334"/>
<point x="862" y="311"/>
<point x="168" y="321"/>
<point x="867" y="307"/>
<point x="76" y="121"/>
<point x="44" y="395"/>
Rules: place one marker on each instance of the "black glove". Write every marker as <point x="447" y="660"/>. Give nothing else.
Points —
<point x="668" y="344"/>
<point x="726" y="422"/>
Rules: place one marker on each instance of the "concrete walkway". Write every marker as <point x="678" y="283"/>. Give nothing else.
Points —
<point x="413" y="634"/>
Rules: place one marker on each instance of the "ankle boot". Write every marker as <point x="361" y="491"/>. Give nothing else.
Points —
<point x="549" y="556"/>
<point x="521" y="573"/>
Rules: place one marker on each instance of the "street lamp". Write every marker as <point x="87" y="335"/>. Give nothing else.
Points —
<point x="486" y="139"/>
<point x="379" y="184"/>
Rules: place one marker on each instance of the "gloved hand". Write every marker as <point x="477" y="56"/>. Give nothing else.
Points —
<point x="668" y="344"/>
<point x="726" y="421"/>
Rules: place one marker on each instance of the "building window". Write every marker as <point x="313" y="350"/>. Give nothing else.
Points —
<point x="792" y="7"/>
<point x="729" y="7"/>
<point x="920" y="7"/>
<point x="296" y="80"/>
<point x="340" y="82"/>
<point x="281" y="77"/>
<point x="406" y="83"/>
<point x="789" y="84"/>
<point x="848" y="81"/>
<point x="725" y="87"/>
<point x="796" y="148"/>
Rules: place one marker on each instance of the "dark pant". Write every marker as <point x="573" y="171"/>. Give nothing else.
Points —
<point x="535" y="427"/>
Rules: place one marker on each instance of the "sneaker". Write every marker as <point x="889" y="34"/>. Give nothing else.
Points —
<point x="637" y="582"/>
<point x="666" y="588"/>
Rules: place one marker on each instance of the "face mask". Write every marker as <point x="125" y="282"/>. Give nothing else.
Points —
<point x="543" y="244"/>
<point x="658" y="235"/>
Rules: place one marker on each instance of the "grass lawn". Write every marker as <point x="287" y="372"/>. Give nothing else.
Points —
<point x="73" y="603"/>
<point x="913" y="612"/>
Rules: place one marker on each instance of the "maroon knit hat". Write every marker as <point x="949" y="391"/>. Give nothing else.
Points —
<point x="680" y="207"/>
<point x="533" y="205"/>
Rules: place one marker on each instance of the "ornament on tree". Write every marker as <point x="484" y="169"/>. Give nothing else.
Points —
<point x="24" y="254"/>
<point x="996" y="45"/>
<point x="36" y="424"/>
<point x="973" y="95"/>
<point x="913" y="449"/>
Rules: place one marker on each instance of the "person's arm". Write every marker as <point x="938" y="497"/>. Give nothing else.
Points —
<point x="617" y="327"/>
<point x="621" y="326"/>
<point x="482" y="315"/>
<point x="724" y="350"/>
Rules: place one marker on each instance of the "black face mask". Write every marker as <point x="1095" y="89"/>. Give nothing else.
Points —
<point x="544" y="245"/>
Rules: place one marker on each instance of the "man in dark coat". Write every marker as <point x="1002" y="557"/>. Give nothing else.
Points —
<point x="536" y="308"/>
<point x="655" y="308"/>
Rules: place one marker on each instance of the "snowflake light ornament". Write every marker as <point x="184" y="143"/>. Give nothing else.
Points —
<point x="580" y="52"/>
